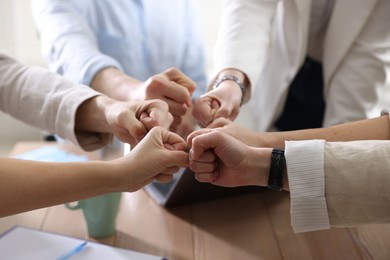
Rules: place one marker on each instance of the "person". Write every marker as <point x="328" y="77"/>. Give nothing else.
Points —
<point x="337" y="176"/>
<point x="89" y="119"/>
<point x="128" y="50"/>
<point x="300" y="63"/>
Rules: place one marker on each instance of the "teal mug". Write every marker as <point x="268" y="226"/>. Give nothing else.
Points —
<point x="100" y="213"/>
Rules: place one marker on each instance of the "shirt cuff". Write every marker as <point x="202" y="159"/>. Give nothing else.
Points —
<point x="94" y="65"/>
<point x="305" y="167"/>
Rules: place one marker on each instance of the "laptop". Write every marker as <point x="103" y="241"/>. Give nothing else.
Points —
<point x="185" y="189"/>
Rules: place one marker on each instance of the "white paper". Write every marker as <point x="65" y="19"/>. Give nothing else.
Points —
<point x="25" y="243"/>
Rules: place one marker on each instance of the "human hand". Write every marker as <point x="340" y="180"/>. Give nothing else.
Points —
<point x="187" y="125"/>
<point x="243" y="134"/>
<point x="131" y="121"/>
<point x="173" y="87"/>
<point x="158" y="156"/>
<point x="219" y="158"/>
<point x="223" y="101"/>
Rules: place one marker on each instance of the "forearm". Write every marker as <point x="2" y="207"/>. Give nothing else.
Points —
<point x="27" y="185"/>
<point x="114" y="83"/>
<point x="370" y="129"/>
<point x="91" y="115"/>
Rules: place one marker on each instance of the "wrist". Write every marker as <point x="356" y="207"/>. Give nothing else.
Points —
<point x="114" y="83"/>
<point x="259" y="169"/>
<point x="241" y="77"/>
<point x="91" y="115"/>
<point x="268" y="139"/>
<point x="109" y="179"/>
<point x="228" y="90"/>
<point x="277" y="172"/>
<point x="104" y="106"/>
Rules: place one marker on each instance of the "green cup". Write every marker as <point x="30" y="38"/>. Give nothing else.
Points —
<point x="100" y="213"/>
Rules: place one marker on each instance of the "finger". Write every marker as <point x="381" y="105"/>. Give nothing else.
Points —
<point x="196" y="133"/>
<point x="177" y="159"/>
<point x="219" y="122"/>
<point x="180" y="78"/>
<point x="135" y="128"/>
<point x="209" y="140"/>
<point x="207" y="157"/>
<point x="161" y="87"/>
<point x="150" y="121"/>
<point x="206" y="177"/>
<point x="222" y="112"/>
<point x="177" y="109"/>
<point x="201" y="167"/>
<point x="163" y="178"/>
<point x="123" y="135"/>
<point x="154" y="113"/>
<point x="171" y="170"/>
<point x="173" y="139"/>
<point x="204" y="110"/>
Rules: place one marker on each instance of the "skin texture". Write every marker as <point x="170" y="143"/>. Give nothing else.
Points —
<point x="129" y="121"/>
<point x="228" y="155"/>
<point x="369" y="129"/>
<point x="28" y="185"/>
<point x="223" y="101"/>
<point x="221" y="159"/>
<point x="171" y="86"/>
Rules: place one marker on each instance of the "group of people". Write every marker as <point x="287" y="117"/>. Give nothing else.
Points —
<point x="136" y="70"/>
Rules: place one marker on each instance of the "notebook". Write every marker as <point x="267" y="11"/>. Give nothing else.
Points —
<point x="184" y="189"/>
<point x="25" y="243"/>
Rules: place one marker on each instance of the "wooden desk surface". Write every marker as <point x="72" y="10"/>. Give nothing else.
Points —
<point x="248" y="226"/>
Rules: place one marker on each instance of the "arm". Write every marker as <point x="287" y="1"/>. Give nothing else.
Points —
<point x="27" y="185"/>
<point x="369" y="129"/>
<point x="330" y="183"/>
<point x="75" y="112"/>
<point x="241" y="48"/>
<point x="43" y="99"/>
<point x="68" y="42"/>
<point x="338" y="184"/>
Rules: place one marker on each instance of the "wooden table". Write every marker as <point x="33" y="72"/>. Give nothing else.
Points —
<point x="248" y="226"/>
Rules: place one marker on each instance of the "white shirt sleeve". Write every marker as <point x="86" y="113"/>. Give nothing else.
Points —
<point x="305" y="167"/>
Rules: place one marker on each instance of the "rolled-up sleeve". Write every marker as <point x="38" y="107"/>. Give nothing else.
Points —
<point x="47" y="101"/>
<point x="67" y="41"/>
<point x="305" y="167"/>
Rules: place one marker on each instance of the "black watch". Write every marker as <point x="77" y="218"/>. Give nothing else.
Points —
<point x="278" y="164"/>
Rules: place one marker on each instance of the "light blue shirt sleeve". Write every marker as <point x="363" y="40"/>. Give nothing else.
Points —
<point x="141" y="38"/>
<point x="68" y="44"/>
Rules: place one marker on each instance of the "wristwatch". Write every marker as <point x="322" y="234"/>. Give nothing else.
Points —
<point x="235" y="79"/>
<point x="278" y="164"/>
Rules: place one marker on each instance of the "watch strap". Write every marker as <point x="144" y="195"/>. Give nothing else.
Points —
<point x="278" y="165"/>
